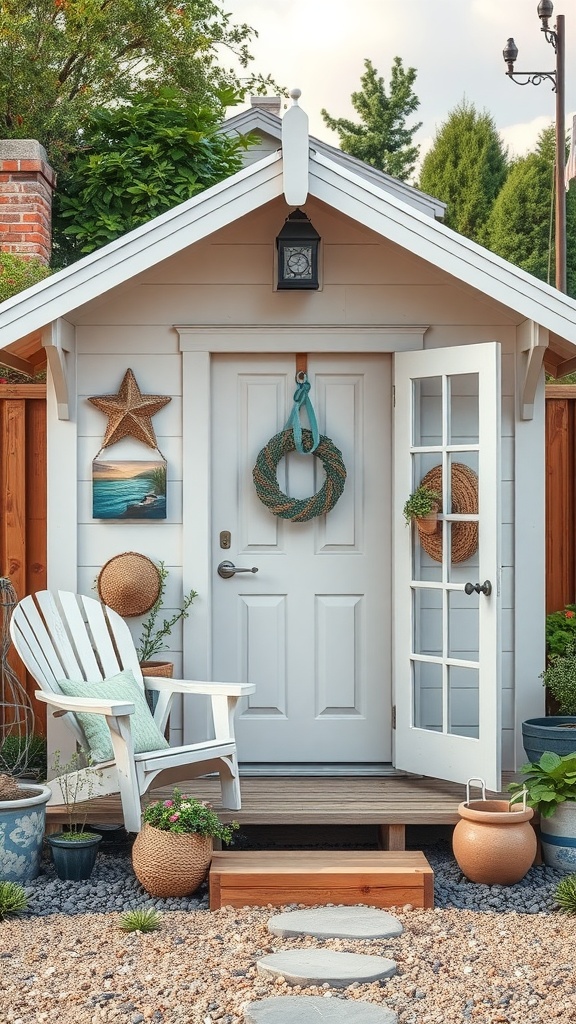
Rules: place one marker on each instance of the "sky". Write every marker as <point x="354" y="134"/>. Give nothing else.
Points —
<point x="319" y="46"/>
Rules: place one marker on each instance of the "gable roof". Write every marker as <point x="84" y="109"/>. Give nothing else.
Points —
<point x="254" y="186"/>
<point x="261" y="121"/>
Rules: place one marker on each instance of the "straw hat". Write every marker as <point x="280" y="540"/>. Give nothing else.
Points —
<point x="129" y="583"/>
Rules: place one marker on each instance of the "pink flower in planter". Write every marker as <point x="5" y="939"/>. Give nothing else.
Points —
<point x="168" y="803"/>
<point x="174" y="817"/>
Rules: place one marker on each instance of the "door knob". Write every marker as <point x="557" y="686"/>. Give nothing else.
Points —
<point x="480" y="588"/>
<point x="227" y="569"/>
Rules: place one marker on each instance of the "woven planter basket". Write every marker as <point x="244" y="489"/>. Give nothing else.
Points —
<point x="162" y="669"/>
<point x="169" y="863"/>
<point x="464" y="502"/>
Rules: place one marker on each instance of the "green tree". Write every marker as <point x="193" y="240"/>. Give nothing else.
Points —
<point x="60" y="59"/>
<point x="520" y="226"/>
<point x="382" y="138"/>
<point x="138" y="160"/>
<point x="466" y="168"/>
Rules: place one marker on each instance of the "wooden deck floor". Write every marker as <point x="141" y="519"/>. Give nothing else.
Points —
<point x="389" y="803"/>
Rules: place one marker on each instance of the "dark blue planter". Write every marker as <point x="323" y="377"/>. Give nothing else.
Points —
<point x="74" y="859"/>
<point x="556" y="733"/>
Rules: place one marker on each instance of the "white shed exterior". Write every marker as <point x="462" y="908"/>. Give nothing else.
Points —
<point x="188" y="303"/>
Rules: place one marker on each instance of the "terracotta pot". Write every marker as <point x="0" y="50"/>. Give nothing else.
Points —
<point x="429" y="523"/>
<point x="169" y="863"/>
<point x="492" y="843"/>
<point x="164" y="669"/>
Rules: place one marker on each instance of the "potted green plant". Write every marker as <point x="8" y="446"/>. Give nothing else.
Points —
<point x="550" y="784"/>
<point x="556" y="732"/>
<point x="153" y="635"/>
<point x="74" y="850"/>
<point x="22" y="826"/>
<point x="172" y="853"/>
<point x="423" y="506"/>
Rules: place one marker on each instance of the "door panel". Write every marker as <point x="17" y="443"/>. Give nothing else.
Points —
<point x="447" y="663"/>
<point x="312" y="628"/>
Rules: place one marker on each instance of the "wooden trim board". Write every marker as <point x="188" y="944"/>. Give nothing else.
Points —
<point x="312" y="877"/>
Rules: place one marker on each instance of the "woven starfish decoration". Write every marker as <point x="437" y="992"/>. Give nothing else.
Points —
<point x="129" y="412"/>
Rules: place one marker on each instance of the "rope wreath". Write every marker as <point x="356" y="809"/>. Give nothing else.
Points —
<point x="299" y="510"/>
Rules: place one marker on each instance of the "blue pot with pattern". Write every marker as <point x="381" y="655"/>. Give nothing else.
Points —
<point x="22" y="827"/>
<point x="558" y="836"/>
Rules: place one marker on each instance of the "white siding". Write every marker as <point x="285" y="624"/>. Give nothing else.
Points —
<point x="228" y="279"/>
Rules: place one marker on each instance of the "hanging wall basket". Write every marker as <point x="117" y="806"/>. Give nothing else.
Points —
<point x="299" y="510"/>
<point x="464" y="502"/>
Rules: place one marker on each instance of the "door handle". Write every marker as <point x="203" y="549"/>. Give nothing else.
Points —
<point x="480" y="588"/>
<point x="227" y="569"/>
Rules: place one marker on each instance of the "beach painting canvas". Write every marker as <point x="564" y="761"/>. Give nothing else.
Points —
<point x="129" y="490"/>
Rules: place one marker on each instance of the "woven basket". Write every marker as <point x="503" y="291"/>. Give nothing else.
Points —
<point x="170" y="864"/>
<point x="129" y="583"/>
<point x="464" y="502"/>
<point x="162" y="669"/>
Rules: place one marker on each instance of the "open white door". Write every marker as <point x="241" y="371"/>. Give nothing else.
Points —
<point x="446" y="651"/>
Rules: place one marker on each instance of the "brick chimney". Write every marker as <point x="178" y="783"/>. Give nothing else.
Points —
<point x="26" y="185"/>
<point x="271" y="103"/>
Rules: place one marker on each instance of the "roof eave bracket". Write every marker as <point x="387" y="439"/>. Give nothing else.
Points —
<point x="58" y="338"/>
<point x="532" y="342"/>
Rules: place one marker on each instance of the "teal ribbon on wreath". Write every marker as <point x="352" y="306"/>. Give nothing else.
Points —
<point x="302" y="400"/>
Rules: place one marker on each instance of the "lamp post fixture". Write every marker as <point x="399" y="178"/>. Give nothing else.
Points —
<point x="556" y="39"/>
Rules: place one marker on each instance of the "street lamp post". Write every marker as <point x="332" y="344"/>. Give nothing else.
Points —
<point x="556" y="39"/>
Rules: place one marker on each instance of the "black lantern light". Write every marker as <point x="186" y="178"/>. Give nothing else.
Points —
<point x="297" y="246"/>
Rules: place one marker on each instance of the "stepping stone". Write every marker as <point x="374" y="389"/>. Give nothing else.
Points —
<point x="320" y="966"/>
<point x="306" y="1009"/>
<point x="337" y="923"/>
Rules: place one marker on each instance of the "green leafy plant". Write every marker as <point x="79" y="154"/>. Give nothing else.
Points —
<point x="560" y="630"/>
<point x="565" y="894"/>
<point x="17" y="273"/>
<point x="77" y="780"/>
<point x="24" y="756"/>
<point x="185" y="815"/>
<point x="12" y="899"/>
<point x="141" y="919"/>
<point x="422" y="502"/>
<point x="151" y="640"/>
<point x="560" y="679"/>
<point x="548" y="782"/>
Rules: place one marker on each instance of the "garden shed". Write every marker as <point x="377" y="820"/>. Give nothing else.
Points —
<point x="425" y="354"/>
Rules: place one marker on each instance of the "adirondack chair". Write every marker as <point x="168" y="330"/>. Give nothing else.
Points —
<point x="69" y="636"/>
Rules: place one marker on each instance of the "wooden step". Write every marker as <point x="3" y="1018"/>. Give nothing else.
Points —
<point x="312" y="877"/>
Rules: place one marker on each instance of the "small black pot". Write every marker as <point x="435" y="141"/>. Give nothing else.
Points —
<point x="74" y="859"/>
<point x="556" y="733"/>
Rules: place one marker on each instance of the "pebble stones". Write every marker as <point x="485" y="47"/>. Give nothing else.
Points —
<point x="322" y="966"/>
<point x="337" y="923"/>
<point x="304" y="1009"/>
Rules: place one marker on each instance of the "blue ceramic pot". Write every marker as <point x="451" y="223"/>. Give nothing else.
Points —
<point x="555" y="732"/>
<point x="74" y="859"/>
<point x="558" y="835"/>
<point x="22" y="826"/>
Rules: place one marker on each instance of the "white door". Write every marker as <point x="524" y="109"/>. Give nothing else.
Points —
<point x="312" y="627"/>
<point x="446" y="666"/>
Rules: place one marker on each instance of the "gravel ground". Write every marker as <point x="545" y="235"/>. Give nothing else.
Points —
<point x="485" y="954"/>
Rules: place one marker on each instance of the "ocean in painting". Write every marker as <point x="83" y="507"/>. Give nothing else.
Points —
<point x="128" y="490"/>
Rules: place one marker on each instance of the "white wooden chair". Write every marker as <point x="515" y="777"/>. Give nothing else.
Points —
<point x="69" y="636"/>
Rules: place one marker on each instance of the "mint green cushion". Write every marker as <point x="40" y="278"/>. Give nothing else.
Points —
<point x="145" y="733"/>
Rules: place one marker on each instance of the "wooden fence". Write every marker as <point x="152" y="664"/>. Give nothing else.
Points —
<point x="23" y="499"/>
<point x="560" y="495"/>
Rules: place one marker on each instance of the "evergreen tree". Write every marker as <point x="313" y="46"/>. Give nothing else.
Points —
<point x="382" y="138"/>
<point x="466" y="168"/>
<point x="521" y="225"/>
